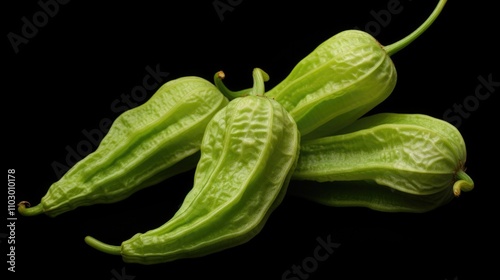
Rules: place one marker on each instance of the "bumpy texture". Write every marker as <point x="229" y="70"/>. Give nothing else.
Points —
<point x="392" y="158"/>
<point x="341" y="80"/>
<point x="248" y="153"/>
<point x="368" y="194"/>
<point x="144" y="146"/>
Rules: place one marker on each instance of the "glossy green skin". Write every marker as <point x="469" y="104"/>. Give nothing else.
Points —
<point x="248" y="153"/>
<point x="391" y="162"/>
<point x="341" y="80"/>
<point x="144" y="146"/>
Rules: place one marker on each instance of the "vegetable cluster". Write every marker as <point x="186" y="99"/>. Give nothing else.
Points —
<point x="309" y="136"/>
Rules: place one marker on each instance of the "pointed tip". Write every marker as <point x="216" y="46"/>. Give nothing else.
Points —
<point x="464" y="183"/>
<point x="103" y="247"/>
<point x="25" y="209"/>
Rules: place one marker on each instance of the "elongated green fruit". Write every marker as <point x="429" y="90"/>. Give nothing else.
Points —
<point x="396" y="162"/>
<point x="248" y="154"/>
<point x="368" y="194"/>
<point x="340" y="81"/>
<point x="144" y="146"/>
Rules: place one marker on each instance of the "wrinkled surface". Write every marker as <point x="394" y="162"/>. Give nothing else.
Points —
<point x="145" y="145"/>
<point x="368" y="194"/>
<point x="341" y="80"/>
<point x="248" y="153"/>
<point x="414" y="154"/>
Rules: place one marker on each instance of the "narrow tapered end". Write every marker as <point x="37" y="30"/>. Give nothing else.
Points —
<point x="464" y="183"/>
<point x="103" y="247"/>
<point x="25" y="209"/>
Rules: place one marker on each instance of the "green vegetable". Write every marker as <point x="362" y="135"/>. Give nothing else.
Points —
<point x="248" y="154"/>
<point x="368" y="194"/>
<point x="340" y="81"/>
<point x="144" y="146"/>
<point x="388" y="162"/>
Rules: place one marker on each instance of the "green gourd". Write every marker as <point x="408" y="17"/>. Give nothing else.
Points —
<point x="340" y="81"/>
<point x="388" y="162"/>
<point x="248" y="154"/>
<point x="144" y="146"/>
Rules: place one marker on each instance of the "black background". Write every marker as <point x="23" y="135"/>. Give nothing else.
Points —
<point x="65" y="78"/>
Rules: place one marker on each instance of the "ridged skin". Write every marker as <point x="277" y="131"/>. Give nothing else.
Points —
<point x="144" y="146"/>
<point x="413" y="153"/>
<point x="248" y="154"/>
<point x="368" y="194"/>
<point x="341" y="80"/>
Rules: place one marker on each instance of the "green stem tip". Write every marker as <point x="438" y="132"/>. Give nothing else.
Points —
<point x="103" y="247"/>
<point x="259" y="77"/>
<point x="401" y="44"/>
<point x="25" y="209"/>
<point x="464" y="183"/>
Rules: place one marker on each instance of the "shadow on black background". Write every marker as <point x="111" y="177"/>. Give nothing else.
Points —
<point x="83" y="63"/>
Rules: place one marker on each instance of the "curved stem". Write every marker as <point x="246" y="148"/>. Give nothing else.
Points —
<point x="24" y="209"/>
<point x="464" y="183"/>
<point x="401" y="44"/>
<point x="259" y="77"/>
<point x="103" y="247"/>
<point x="218" y="77"/>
